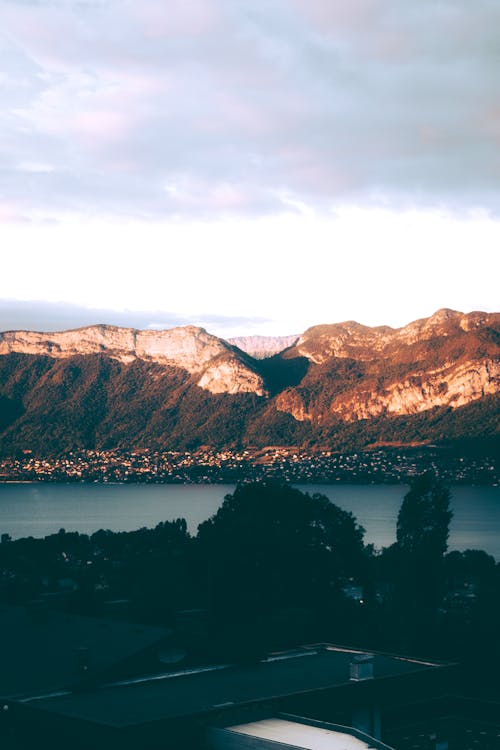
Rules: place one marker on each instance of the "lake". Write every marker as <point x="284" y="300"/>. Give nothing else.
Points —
<point x="36" y="509"/>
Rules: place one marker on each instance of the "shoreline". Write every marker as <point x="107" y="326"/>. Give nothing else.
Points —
<point x="231" y="481"/>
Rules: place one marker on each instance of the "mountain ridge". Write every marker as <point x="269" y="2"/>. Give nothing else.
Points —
<point x="189" y="347"/>
<point x="110" y="386"/>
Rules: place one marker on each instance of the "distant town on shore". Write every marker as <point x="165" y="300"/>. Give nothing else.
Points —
<point x="291" y="464"/>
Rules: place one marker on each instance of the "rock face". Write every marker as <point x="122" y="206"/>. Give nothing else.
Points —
<point x="188" y="347"/>
<point x="451" y="387"/>
<point x="292" y="402"/>
<point x="261" y="347"/>
<point x="226" y="374"/>
<point x="343" y="385"/>
<point x="447" y="360"/>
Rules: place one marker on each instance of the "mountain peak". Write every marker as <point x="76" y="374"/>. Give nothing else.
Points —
<point x="261" y="347"/>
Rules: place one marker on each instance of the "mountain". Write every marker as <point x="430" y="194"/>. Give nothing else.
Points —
<point x="342" y="386"/>
<point x="220" y="367"/>
<point x="261" y="347"/>
<point x="449" y="360"/>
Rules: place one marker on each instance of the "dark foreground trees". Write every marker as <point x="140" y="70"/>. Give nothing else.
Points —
<point x="424" y="519"/>
<point x="270" y="545"/>
<point x="415" y="565"/>
<point x="421" y="543"/>
<point x="272" y="549"/>
<point x="270" y="569"/>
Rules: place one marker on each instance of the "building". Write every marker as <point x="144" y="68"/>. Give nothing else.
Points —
<point x="286" y="731"/>
<point x="179" y="708"/>
<point x="68" y="681"/>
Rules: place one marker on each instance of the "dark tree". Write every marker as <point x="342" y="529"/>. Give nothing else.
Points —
<point x="424" y="518"/>
<point x="271" y="548"/>
<point x="418" y="560"/>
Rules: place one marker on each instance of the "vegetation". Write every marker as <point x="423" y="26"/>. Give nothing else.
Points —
<point x="271" y="546"/>
<point x="51" y="406"/>
<point x="276" y="567"/>
<point x="424" y="520"/>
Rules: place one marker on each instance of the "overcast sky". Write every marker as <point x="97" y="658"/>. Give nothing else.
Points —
<point x="253" y="166"/>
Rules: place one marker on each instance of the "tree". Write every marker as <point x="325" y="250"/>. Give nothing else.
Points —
<point x="424" y="519"/>
<point x="271" y="547"/>
<point x="418" y="559"/>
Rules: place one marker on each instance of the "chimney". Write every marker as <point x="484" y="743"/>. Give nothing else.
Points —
<point x="361" y="667"/>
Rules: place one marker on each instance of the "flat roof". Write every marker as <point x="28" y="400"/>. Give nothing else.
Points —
<point x="170" y="697"/>
<point x="301" y="735"/>
<point x="39" y="650"/>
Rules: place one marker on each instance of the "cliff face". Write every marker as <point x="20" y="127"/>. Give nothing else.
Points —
<point x="449" y="386"/>
<point x="261" y="347"/>
<point x="447" y="360"/>
<point x="189" y="348"/>
<point x="107" y="386"/>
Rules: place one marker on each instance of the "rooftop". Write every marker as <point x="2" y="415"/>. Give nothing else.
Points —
<point x="305" y="736"/>
<point x="43" y="650"/>
<point x="169" y="696"/>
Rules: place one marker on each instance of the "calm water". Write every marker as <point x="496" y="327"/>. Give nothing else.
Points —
<point x="40" y="509"/>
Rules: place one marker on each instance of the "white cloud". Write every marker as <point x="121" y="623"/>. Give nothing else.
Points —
<point x="291" y="271"/>
<point x="233" y="156"/>
<point x="322" y="101"/>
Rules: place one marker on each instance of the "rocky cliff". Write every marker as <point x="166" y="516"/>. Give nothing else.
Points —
<point x="261" y="347"/>
<point x="188" y="347"/>
<point x="343" y="386"/>
<point x="447" y="360"/>
<point x="452" y="386"/>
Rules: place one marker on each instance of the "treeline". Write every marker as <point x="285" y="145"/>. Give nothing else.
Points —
<point x="272" y="568"/>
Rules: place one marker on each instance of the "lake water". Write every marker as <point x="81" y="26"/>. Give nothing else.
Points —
<point x="36" y="509"/>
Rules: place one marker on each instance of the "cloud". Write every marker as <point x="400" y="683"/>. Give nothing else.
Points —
<point x="38" y="315"/>
<point x="229" y="107"/>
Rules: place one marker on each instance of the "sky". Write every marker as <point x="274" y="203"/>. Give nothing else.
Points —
<point x="253" y="167"/>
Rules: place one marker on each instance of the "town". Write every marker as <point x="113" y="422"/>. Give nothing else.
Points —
<point x="291" y="464"/>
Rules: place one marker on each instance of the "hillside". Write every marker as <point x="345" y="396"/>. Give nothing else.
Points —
<point x="346" y="386"/>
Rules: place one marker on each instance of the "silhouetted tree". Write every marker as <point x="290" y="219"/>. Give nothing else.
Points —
<point x="418" y="558"/>
<point x="424" y="518"/>
<point x="271" y="548"/>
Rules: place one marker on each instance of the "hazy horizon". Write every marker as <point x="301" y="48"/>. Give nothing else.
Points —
<point x="16" y="316"/>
